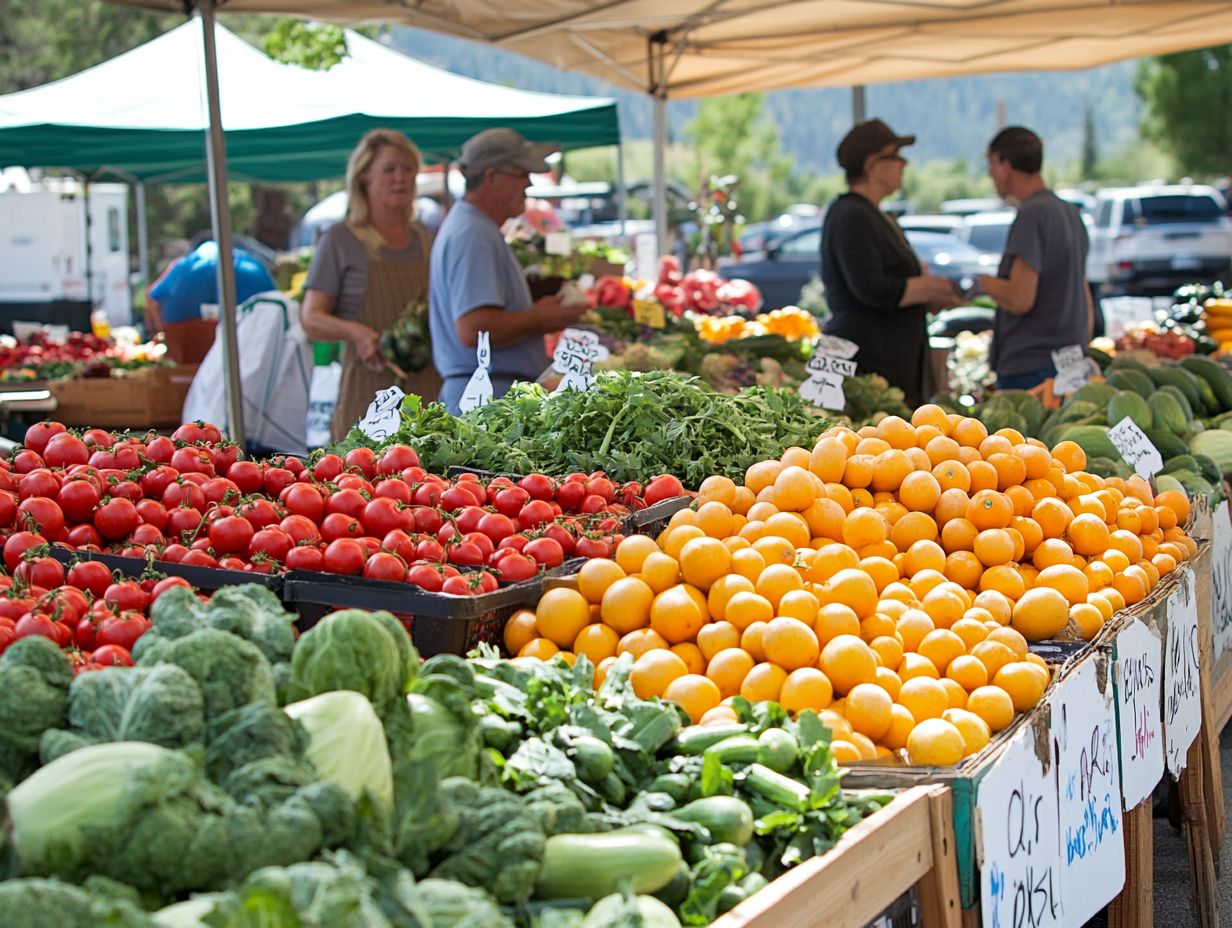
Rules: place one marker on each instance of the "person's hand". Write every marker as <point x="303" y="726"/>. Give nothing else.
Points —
<point x="553" y="315"/>
<point x="367" y="344"/>
<point x="939" y="291"/>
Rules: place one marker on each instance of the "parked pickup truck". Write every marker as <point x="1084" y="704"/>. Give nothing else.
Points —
<point x="1149" y="240"/>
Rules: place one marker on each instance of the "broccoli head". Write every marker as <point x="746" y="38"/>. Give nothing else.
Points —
<point x="38" y="903"/>
<point x="34" y="685"/>
<point x="452" y="905"/>
<point x="368" y="652"/>
<point x="176" y="613"/>
<point x="249" y="733"/>
<point x="255" y="614"/>
<point x="231" y="672"/>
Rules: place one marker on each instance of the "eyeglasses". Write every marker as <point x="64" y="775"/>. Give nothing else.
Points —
<point x="521" y="175"/>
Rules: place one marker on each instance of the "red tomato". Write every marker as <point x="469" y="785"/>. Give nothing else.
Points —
<point x="183" y="523"/>
<point x="127" y="594"/>
<point x="515" y="542"/>
<point x="195" y="557"/>
<point x="590" y="547"/>
<point x="26" y="461"/>
<point x="460" y="585"/>
<point x="276" y="480"/>
<point x="92" y="576"/>
<point x="160" y="449"/>
<point x="153" y="513"/>
<point x="191" y="433"/>
<point x="231" y="562"/>
<point x="466" y="553"/>
<point x="123" y="629"/>
<point x="535" y="513"/>
<point x="259" y="512"/>
<point x="272" y="543"/>
<point x="305" y="500"/>
<point x="516" y="567"/>
<point x="469" y="518"/>
<point x="112" y="655"/>
<point x="85" y="633"/>
<point x="230" y="534"/>
<point x="125" y="489"/>
<point x="305" y="557"/>
<point x="482" y="542"/>
<point x="456" y="498"/>
<point x="165" y="584"/>
<point x="429" y="549"/>
<point x="663" y="487"/>
<point x="345" y="556"/>
<point x="220" y="490"/>
<point x="39" y="434"/>
<point x="17" y="544"/>
<point x="565" y="538"/>
<point x="8" y="509"/>
<point x="327" y="468"/>
<point x="426" y="577"/>
<point x="361" y="459"/>
<point x="510" y="501"/>
<point x="397" y="490"/>
<point x="396" y="458"/>
<point x="301" y="529"/>
<point x="382" y="515"/>
<point x="46" y="572"/>
<point x="99" y="438"/>
<point x="347" y="502"/>
<point x="336" y="525"/>
<point x="428" y="494"/>
<point x="400" y="543"/>
<point x="77" y="500"/>
<point x="65" y="450"/>
<point x="173" y="553"/>
<point x="538" y="486"/>
<point x="116" y="519"/>
<point x="193" y="461"/>
<point x="385" y="566"/>
<point x="127" y="455"/>
<point x="37" y="623"/>
<point x="40" y="482"/>
<point x="184" y="493"/>
<point x="497" y="526"/>
<point x="146" y="536"/>
<point x="428" y="521"/>
<point x="547" y="551"/>
<point x="42" y="515"/>
<point x="570" y="495"/>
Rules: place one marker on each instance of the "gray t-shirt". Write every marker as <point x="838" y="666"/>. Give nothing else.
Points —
<point x="1049" y="235"/>
<point x="471" y="267"/>
<point x="340" y="267"/>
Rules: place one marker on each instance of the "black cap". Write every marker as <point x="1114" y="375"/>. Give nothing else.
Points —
<point x="867" y="138"/>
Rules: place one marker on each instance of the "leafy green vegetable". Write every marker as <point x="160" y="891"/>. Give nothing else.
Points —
<point x="368" y="652"/>
<point x="39" y="903"/>
<point x="347" y="743"/>
<point x="255" y="614"/>
<point x="451" y="905"/>
<point x="230" y="671"/>
<point x="34" y="685"/>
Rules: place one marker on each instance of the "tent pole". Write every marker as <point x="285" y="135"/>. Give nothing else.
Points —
<point x="658" y="89"/>
<point x="622" y="207"/>
<point x="857" y="104"/>
<point x="143" y="236"/>
<point x="220" y="217"/>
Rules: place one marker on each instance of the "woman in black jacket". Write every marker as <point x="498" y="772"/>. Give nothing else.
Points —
<point x="877" y="293"/>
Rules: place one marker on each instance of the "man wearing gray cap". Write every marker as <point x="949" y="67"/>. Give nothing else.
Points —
<point x="476" y="282"/>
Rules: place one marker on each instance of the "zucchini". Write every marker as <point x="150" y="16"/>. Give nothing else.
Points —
<point x="738" y="749"/>
<point x="592" y="758"/>
<point x="725" y="817"/>
<point x="779" y="750"/>
<point x="596" y="865"/>
<point x="675" y="785"/>
<point x="1214" y="374"/>
<point x="778" y="789"/>
<point x="694" y="740"/>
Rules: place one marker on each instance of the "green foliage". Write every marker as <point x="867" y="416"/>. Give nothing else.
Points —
<point x="40" y="903"/>
<point x="368" y="652"/>
<point x="230" y="671"/>
<point x="34" y="685"/>
<point x="317" y="46"/>
<point x="1181" y="92"/>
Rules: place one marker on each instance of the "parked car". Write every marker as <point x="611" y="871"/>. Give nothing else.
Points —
<point x="987" y="232"/>
<point x="781" y="271"/>
<point x="1149" y="240"/>
<point x="758" y="236"/>
<point x="945" y="223"/>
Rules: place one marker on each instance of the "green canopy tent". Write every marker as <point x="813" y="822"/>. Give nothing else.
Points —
<point x="143" y="117"/>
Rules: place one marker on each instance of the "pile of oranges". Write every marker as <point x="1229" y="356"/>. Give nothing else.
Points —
<point x="889" y="579"/>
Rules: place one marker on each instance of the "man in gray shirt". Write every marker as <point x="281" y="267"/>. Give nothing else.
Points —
<point x="1043" y="301"/>
<point x="476" y="284"/>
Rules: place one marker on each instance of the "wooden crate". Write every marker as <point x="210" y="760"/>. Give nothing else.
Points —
<point x="151" y="397"/>
<point x="909" y="843"/>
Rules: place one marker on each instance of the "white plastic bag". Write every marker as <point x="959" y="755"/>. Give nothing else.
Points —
<point x="275" y="375"/>
<point x="322" y="399"/>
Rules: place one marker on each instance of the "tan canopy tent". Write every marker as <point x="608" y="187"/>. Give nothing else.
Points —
<point x="695" y="48"/>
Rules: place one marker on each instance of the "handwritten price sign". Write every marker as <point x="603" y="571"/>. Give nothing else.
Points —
<point x="824" y="386"/>
<point x="575" y="355"/>
<point x="1089" y="804"/>
<point x="384" y="414"/>
<point x="1074" y="369"/>
<point x="1182" y="702"/>
<point x="1020" y="876"/>
<point x="1136" y="449"/>
<point x="1138" y="681"/>
<point x="1221" y="582"/>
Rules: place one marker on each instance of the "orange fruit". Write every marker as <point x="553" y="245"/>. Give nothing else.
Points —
<point x="659" y="571"/>
<point x="993" y="705"/>
<point x="1012" y="639"/>
<point x="825" y="518"/>
<point x="901" y="724"/>
<point x="954" y="690"/>
<point x="1070" y="582"/>
<point x="654" y="670"/>
<point x="993" y="655"/>
<point x="915" y="665"/>
<point x="864" y="527"/>
<point x="1133" y="584"/>
<point x="751" y="640"/>
<point x="694" y="693"/>
<point x="718" y="488"/>
<point x="1127" y="543"/>
<point x="989" y="509"/>
<point x="1070" y="455"/>
<point x="633" y="551"/>
<point x="1176" y="501"/>
<point x="1031" y="534"/>
<point x="721" y="592"/>
<point x="678" y="613"/>
<point x="935" y="743"/>
<point x="924" y="697"/>
<point x="714" y="637"/>
<point x="974" y="730"/>
<point x="595" y="576"/>
<point x="691" y="654"/>
<point x="561" y="614"/>
<point x="931" y="414"/>
<point x="853" y="588"/>
<point x="674" y="539"/>
<point x="952" y="505"/>
<point x="748" y="563"/>
<point x="1050" y="552"/>
<point x="745" y="608"/>
<point x="889" y="469"/>
<point x="626" y="604"/>
<point x="520" y="629"/>
<point x="541" y="648"/>
<point x="920" y="490"/>
<point x="889" y="649"/>
<point x="996" y="603"/>
<point x="639" y="641"/>
<point x="762" y="475"/>
<point x="834" y="619"/>
<point x="913" y="527"/>
<point x="715" y="519"/>
<point x="964" y="568"/>
<point x="1011" y="469"/>
<point x="972" y="630"/>
<point x="867" y="708"/>
<point x="994" y="547"/>
<point x="728" y="669"/>
<point x="881" y="570"/>
<point x="968" y="672"/>
<point x="1041" y="613"/>
<point x="596" y="641"/>
<point x="1024" y="682"/>
<point x="848" y="662"/>
<point x="882" y="621"/>
<point x="703" y="561"/>
<point x="795" y="488"/>
<point x="764" y="683"/>
<point x="800" y="604"/>
<point x="924" y="555"/>
<point x="944" y="606"/>
<point x="719" y="715"/>
<point x="790" y="643"/>
<point x="912" y="627"/>
<point x="844" y="752"/>
<point x="888" y="680"/>
<point x="601" y="670"/>
<point x="958" y="535"/>
<point x="828" y="459"/>
<point x="941" y="646"/>
<point x="983" y="476"/>
<point x="969" y="432"/>
<point x="1088" y="535"/>
<point x="1088" y="618"/>
<point x="896" y="431"/>
<point x="1003" y="579"/>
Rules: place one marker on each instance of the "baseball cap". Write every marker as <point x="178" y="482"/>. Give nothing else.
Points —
<point x="867" y="138"/>
<point x="494" y="147"/>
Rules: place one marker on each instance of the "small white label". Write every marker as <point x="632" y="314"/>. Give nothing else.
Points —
<point x="824" y="386"/>
<point x="646" y="253"/>
<point x="1136" y="449"/>
<point x="558" y="243"/>
<point x="1074" y="370"/>
<point x="383" y="415"/>
<point x="478" y="390"/>
<point x="1138" y="677"/>
<point x="574" y="357"/>
<point x="1182" y="701"/>
<point x="835" y="347"/>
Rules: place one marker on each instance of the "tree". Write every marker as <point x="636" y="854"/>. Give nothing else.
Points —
<point x="1188" y="96"/>
<point x="1090" y="145"/>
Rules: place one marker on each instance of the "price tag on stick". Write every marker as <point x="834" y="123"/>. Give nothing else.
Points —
<point x="1074" y="370"/>
<point x="575" y="355"/>
<point x="824" y="386"/>
<point x="1136" y="449"/>
<point x="479" y="390"/>
<point x="383" y="415"/>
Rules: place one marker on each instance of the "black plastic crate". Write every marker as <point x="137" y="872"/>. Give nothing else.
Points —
<point x="653" y="519"/>
<point x="204" y="578"/>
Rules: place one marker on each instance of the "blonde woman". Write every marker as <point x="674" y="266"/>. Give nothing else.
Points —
<point x="365" y="272"/>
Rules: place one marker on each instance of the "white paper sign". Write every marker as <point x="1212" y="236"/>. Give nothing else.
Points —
<point x="558" y="243"/>
<point x="834" y="346"/>
<point x="1074" y="369"/>
<point x="1016" y="808"/>
<point x="1089" y="785"/>
<point x="1136" y="449"/>
<point x="1121" y="312"/>
<point x="824" y="386"/>
<point x="1221" y="582"/>
<point x="1138" y="676"/>
<point x="478" y="390"/>
<point x="574" y="357"/>
<point x="1182" y="700"/>
<point x="646" y="255"/>
<point x="384" y="414"/>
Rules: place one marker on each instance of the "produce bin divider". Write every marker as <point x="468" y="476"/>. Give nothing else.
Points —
<point x="205" y="578"/>
<point x="653" y="519"/>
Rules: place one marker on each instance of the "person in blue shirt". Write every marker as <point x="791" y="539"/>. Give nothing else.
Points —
<point x="193" y="280"/>
<point x="475" y="282"/>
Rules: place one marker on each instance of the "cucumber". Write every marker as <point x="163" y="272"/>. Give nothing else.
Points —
<point x="779" y="751"/>
<point x="725" y="817"/>
<point x="675" y="785"/>
<point x="596" y="865"/>
<point x="592" y="758"/>
<point x="738" y="749"/>
<point x="694" y="740"/>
